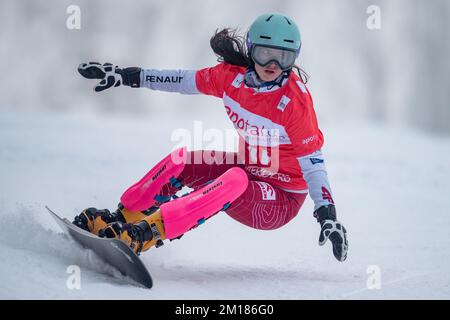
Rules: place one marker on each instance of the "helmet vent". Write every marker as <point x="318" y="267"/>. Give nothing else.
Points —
<point x="265" y="37"/>
<point x="268" y="19"/>
<point x="288" y="21"/>
<point x="290" y="41"/>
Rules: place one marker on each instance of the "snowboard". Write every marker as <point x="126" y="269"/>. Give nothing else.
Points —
<point x="112" y="251"/>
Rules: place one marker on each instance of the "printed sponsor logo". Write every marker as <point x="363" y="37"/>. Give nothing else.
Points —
<point x="309" y="139"/>
<point x="257" y="130"/>
<point x="264" y="173"/>
<point x="268" y="192"/>
<point x="316" y="160"/>
<point x="283" y="103"/>
<point x="159" y="173"/>
<point x="237" y="82"/>
<point x="214" y="186"/>
<point x="243" y="124"/>
<point x="326" y="195"/>
<point x="247" y="129"/>
<point x="256" y="135"/>
<point x="155" y="176"/>
<point x="164" y="79"/>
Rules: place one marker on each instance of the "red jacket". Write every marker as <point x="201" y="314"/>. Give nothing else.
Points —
<point x="276" y="126"/>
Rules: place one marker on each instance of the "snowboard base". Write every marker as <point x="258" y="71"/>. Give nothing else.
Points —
<point x="113" y="251"/>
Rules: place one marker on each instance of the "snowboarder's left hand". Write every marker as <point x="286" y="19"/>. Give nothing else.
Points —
<point x="333" y="230"/>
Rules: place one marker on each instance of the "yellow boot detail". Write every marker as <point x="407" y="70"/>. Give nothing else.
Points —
<point x="157" y="228"/>
<point x="141" y="235"/>
<point x="132" y="216"/>
<point x="153" y="229"/>
<point x="94" y="220"/>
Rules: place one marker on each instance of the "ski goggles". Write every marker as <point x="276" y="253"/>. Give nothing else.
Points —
<point x="284" y="58"/>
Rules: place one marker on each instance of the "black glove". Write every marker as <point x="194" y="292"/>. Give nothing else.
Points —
<point x="111" y="76"/>
<point x="333" y="230"/>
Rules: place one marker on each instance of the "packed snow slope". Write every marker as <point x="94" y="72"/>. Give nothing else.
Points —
<point x="391" y="187"/>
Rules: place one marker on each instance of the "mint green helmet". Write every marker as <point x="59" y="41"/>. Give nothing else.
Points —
<point x="274" y="30"/>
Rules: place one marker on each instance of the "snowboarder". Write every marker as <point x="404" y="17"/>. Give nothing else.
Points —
<point x="279" y="160"/>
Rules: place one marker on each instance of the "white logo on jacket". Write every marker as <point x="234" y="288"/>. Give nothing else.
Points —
<point x="283" y="103"/>
<point x="237" y="82"/>
<point x="268" y="192"/>
<point x="265" y="173"/>
<point x="302" y="86"/>
<point x="309" y="139"/>
<point x="255" y="129"/>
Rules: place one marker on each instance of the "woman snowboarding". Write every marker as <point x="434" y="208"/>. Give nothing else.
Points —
<point x="264" y="184"/>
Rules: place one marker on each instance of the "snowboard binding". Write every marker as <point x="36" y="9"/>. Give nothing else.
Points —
<point x="93" y="219"/>
<point x="139" y="236"/>
<point x="140" y="230"/>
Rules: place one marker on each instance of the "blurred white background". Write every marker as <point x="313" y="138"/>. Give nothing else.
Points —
<point x="398" y="75"/>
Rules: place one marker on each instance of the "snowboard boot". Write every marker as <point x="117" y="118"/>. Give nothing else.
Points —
<point x="134" y="216"/>
<point x="94" y="220"/>
<point x="139" y="235"/>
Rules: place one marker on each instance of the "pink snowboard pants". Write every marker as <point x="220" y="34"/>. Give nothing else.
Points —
<point x="262" y="206"/>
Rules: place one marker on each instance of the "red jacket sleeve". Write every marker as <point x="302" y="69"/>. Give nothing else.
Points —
<point x="302" y="127"/>
<point x="212" y="81"/>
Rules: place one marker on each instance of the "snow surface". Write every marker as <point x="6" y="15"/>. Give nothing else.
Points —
<point x="391" y="187"/>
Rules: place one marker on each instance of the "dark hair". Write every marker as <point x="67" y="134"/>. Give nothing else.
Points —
<point x="230" y="47"/>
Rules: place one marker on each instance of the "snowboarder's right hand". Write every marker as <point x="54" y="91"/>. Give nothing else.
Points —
<point x="110" y="75"/>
